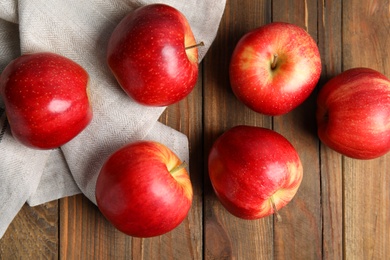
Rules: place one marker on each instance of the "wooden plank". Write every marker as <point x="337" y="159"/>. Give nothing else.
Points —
<point x="86" y="234"/>
<point x="32" y="234"/>
<point x="227" y="237"/>
<point x="330" y="44"/>
<point x="299" y="235"/>
<point x="366" y="41"/>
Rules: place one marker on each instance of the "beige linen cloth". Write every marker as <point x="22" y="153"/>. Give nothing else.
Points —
<point x="80" y="31"/>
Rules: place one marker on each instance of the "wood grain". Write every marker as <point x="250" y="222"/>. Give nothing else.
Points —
<point x="342" y="209"/>
<point x="366" y="39"/>
<point x="86" y="234"/>
<point x="330" y="45"/>
<point x="32" y="234"/>
<point x="227" y="237"/>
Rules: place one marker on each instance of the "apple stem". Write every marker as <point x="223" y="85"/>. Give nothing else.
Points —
<point x="275" y="60"/>
<point x="278" y="217"/>
<point x="195" y="45"/>
<point x="179" y="167"/>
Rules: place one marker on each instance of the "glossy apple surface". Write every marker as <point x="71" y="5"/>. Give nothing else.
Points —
<point x="353" y="113"/>
<point x="274" y="68"/>
<point x="254" y="171"/>
<point x="46" y="99"/>
<point x="143" y="190"/>
<point x="147" y="54"/>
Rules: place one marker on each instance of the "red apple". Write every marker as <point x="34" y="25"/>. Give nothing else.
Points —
<point x="46" y="99"/>
<point x="254" y="171"/>
<point x="274" y="68"/>
<point x="144" y="190"/>
<point x="353" y="113"/>
<point x="151" y="54"/>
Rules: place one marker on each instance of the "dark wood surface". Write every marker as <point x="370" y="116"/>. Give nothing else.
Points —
<point x="342" y="209"/>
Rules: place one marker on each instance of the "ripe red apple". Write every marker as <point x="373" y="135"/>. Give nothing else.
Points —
<point x="274" y="68"/>
<point x="254" y="171"/>
<point x="46" y="99"/>
<point x="353" y="113"/>
<point x="144" y="190"/>
<point x="152" y="55"/>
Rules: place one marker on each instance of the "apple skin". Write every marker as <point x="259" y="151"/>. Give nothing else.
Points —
<point x="144" y="190"/>
<point x="353" y="113"/>
<point x="254" y="171"/>
<point x="275" y="91"/>
<point x="46" y="99"/>
<point x="148" y="57"/>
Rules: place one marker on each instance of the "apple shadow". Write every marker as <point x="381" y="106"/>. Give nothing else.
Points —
<point x="306" y="112"/>
<point x="304" y="116"/>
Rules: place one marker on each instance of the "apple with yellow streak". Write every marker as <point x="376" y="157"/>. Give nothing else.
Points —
<point x="153" y="55"/>
<point x="144" y="190"/>
<point x="353" y="113"/>
<point x="254" y="171"/>
<point x="274" y="68"/>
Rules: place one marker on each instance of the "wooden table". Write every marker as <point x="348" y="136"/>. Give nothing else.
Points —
<point x="342" y="209"/>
